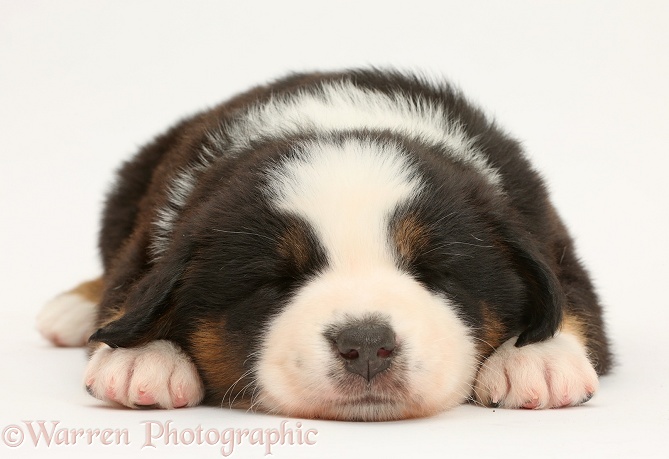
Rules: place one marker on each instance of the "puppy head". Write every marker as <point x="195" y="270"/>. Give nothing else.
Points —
<point x="344" y="280"/>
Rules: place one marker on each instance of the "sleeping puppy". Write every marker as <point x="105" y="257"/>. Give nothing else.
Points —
<point x="363" y="245"/>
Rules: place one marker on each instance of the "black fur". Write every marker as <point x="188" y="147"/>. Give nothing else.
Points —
<point x="505" y="254"/>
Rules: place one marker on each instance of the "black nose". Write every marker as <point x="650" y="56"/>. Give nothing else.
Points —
<point x="366" y="348"/>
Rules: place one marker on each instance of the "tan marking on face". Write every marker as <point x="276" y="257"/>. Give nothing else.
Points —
<point x="411" y="238"/>
<point x="221" y="366"/>
<point x="294" y="245"/>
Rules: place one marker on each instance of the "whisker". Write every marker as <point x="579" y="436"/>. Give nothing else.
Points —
<point x="242" y="392"/>
<point x="485" y="342"/>
<point x="252" y="354"/>
<point x="231" y="388"/>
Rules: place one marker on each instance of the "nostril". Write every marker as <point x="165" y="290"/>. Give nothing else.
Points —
<point x="353" y="354"/>
<point x="350" y="355"/>
<point x="384" y="353"/>
<point x="367" y="349"/>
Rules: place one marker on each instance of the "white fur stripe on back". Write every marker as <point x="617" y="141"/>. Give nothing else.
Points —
<point x="328" y="108"/>
<point x="343" y="106"/>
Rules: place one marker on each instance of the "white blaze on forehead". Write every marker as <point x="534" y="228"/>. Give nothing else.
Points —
<point x="347" y="192"/>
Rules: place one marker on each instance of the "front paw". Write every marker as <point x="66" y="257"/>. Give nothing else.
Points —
<point x="157" y="374"/>
<point x="550" y="374"/>
<point x="67" y="320"/>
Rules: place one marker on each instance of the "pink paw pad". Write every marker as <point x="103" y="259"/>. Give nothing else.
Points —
<point x="532" y="404"/>
<point x="552" y="374"/>
<point x="179" y="398"/>
<point x="157" y="375"/>
<point x="144" y="398"/>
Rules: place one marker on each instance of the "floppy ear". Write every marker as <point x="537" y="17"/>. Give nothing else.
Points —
<point x="148" y="309"/>
<point x="543" y="311"/>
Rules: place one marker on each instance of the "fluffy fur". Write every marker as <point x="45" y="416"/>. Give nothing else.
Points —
<point x="363" y="245"/>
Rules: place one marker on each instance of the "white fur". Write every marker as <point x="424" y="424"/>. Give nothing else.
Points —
<point x="158" y="373"/>
<point x="67" y="320"/>
<point x="347" y="193"/>
<point x="177" y="195"/>
<point x="342" y="106"/>
<point x="331" y="107"/>
<point x="437" y="360"/>
<point x="549" y="374"/>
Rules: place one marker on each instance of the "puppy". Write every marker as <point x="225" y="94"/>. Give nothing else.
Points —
<point x="363" y="245"/>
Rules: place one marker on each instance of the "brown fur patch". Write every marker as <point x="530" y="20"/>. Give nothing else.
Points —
<point x="221" y="365"/>
<point x="574" y="325"/>
<point x="294" y="245"/>
<point x="110" y="316"/>
<point x="411" y="237"/>
<point x="493" y="332"/>
<point x="90" y="290"/>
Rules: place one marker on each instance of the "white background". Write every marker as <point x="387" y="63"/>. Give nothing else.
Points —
<point x="582" y="83"/>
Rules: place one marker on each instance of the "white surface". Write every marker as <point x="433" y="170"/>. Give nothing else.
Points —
<point x="582" y="83"/>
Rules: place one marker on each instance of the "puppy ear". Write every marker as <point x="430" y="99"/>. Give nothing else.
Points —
<point x="148" y="309"/>
<point x="545" y="302"/>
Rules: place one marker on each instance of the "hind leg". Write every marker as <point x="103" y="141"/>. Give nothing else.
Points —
<point x="69" y="319"/>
